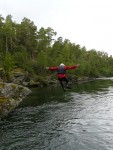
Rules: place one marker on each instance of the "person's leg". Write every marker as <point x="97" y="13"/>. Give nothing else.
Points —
<point x="67" y="81"/>
<point x="61" y="80"/>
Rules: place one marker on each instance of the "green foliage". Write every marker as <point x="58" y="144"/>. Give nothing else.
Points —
<point x="34" y="50"/>
<point x="21" y="58"/>
<point x="8" y="63"/>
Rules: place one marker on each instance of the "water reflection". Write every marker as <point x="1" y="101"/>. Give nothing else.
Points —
<point x="55" y="93"/>
<point x="79" y="119"/>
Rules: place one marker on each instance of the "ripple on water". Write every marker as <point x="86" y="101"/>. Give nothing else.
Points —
<point x="67" y="121"/>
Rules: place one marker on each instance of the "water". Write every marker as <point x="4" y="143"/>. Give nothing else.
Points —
<point x="50" y="119"/>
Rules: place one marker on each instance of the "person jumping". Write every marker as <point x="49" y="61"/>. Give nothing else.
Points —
<point x="62" y="76"/>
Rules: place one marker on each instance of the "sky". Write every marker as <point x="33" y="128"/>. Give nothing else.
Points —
<point x="88" y="23"/>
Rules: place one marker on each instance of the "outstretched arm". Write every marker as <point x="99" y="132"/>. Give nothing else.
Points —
<point x="72" y="67"/>
<point x="52" y="68"/>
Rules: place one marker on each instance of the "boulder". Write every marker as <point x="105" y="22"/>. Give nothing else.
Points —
<point x="10" y="97"/>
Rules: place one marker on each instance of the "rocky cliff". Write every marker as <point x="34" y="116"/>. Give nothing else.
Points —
<point x="10" y="97"/>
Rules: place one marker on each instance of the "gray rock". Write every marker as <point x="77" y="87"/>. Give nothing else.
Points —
<point x="10" y="96"/>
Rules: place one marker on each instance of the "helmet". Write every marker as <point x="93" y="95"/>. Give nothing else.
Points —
<point x="62" y="64"/>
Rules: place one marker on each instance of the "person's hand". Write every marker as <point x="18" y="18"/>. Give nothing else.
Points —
<point x="77" y="65"/>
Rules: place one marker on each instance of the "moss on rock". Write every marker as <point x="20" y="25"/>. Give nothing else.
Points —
<point x="10" y="97"/>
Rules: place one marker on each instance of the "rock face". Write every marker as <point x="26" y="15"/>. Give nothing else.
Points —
<point x="10" y="97"/>
<point x="20" y="76"/>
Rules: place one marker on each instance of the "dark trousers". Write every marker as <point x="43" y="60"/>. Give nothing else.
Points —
<point x="61" y="81"/>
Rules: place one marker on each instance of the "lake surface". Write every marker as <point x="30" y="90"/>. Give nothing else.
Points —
<point x="50" y="119"/>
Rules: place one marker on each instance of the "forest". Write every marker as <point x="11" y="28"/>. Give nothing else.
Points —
<point x="32" y="49"/>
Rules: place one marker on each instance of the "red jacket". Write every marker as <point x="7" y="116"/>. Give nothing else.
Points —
<point x="65" y="68"/>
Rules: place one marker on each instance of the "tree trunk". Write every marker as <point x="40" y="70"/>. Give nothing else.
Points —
<point x="6" y="44"/>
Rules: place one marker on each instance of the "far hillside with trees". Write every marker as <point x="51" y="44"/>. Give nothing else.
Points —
<point x="25" y="46"/>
